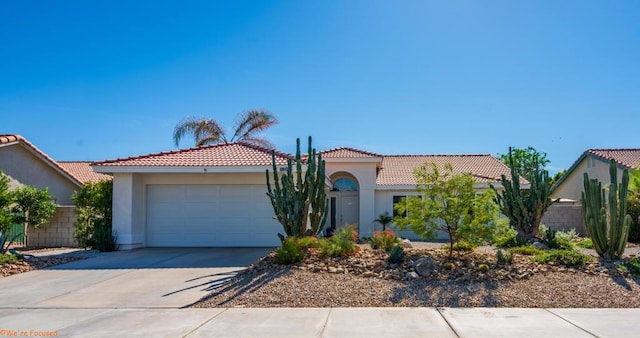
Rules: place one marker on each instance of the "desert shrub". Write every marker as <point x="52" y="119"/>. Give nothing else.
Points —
<point x="8" y="258"/>
<point x="555" y="239"/>
<point x="504" y="257"/>
<point x="528" y="250"/>
<point x="308" y="242"/>
<point x="633" y="209"/>
<point x="342" y="243"/>
<point x="633" y="266"/>
<point x="290" y="251"/>
<point x="504" y="235"/>
<point x="385" y="240"/>
<point x="464" y="246"/>
<point x="396" y="255"/>
<point x="563" y="257"/>
<point x="448" y="266"/>
<point x="585" y="243"/>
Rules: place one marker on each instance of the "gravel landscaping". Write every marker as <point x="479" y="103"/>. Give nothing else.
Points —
<point x="366" y="279"/>
<point x="40" y="259"/>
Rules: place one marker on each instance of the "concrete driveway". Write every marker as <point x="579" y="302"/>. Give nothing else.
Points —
<point x="144" y="278"/>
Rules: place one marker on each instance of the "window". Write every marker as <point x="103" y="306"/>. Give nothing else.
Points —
<point x="396" y="200"/>
<point x="401" y="199"/>
<point x="345" y="184"/>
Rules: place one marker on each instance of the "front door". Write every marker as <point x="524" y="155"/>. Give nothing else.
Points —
<point x="344" y="210"/>
<point x="348" y="210"/>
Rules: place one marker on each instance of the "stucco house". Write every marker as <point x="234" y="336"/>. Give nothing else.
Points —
<point x="25" y="164"/>
<point x="567" y="213"/>
<point x="594" y="162"/>
<point x="216" y="195"/>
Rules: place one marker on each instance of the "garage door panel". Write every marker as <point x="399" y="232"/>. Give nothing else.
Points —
<point x="210" y="215"/>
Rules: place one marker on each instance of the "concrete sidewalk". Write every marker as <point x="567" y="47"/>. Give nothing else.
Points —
<point x="321" y="322"/>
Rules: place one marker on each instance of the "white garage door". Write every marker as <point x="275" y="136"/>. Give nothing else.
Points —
<point x="210" y="216"/>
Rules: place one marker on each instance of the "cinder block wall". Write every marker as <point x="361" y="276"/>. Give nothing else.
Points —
<point x="565" y="216"/>
<point x="58" y="232"/>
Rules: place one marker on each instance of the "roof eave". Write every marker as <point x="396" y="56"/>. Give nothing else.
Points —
<point x="106" y="169"/>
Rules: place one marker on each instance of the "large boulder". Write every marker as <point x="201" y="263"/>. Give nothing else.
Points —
<point x="425" y="266"/>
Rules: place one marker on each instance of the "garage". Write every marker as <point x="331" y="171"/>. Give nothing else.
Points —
<point x="209" y="215"/>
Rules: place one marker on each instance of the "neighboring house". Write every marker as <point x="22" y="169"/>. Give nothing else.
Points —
<point x="567" y="213"/>
<point x="594" y="162"/>
<point x="25" y="164"/>
<point x="216" y="195"/>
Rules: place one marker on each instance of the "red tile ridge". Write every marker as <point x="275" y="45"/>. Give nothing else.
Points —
<point x="186" y="150"/>
<point x="351" y="149"/>
<point x="603" y="152"/>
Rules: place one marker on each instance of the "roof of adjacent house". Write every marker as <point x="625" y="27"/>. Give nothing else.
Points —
<point x="629" y="158"/>
<point x="83" y="172"/>
<point x="398" y="169"/>
<point x="9" y="139"/>
<point x="626" y="158"/>
<point x="346" y="152"/>
<point x="216" y="155"/>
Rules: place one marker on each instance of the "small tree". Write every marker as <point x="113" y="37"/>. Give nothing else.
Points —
<point x="299" y="200"/>
<point x="33" y="207"/>
<point x="526" y="161"/>
<point x="447" y="204"/>
<point x="93" y="227"/>
<point x="384" y="220"/>
<point x="525" y="207"/>
<point x="7" y="218"/>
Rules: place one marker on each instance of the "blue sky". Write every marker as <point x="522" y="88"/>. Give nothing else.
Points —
<point x="92" y="80"/>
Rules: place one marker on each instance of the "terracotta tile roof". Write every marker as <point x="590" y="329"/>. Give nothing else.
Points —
<point x="346" y="152"/>
<point x="83" y="172"/>
<point x="217" y="155"/>
<point x="629" y="158"/>
<point x="7" y="139"/>
<point x="398" y="169"/>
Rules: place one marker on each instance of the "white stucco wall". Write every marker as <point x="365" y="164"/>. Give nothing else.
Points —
<point x="21" y="165"/>
<point x="573" y="185"/>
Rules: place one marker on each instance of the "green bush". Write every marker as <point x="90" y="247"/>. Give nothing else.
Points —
<point x="504" y="235"/>
<point x="93" y="228"/>
<point x="385" y="240"/>
<point x="460" y="245"/>
<point x="557" y="239"/>
<point x="585" y="243"/>
<point x="342" y="243"/>
<point x="528" y="250"/>
<point x="504" y="257"/>
<point x="633" y="266"/>
<point x="308" y="242"/>
<point x="290" y="251"/>
<point x="8" y="259"/>
<point x="396" y="255"/>
<point x="563" y="257"/>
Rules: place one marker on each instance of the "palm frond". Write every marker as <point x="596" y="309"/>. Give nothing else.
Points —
<point x="251" y="122"/>
<point x="204" y="131"/>
<point x="260" y="141"/>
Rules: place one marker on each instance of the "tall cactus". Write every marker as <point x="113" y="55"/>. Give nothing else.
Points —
<point x="609" y="238"/>
<point x="300" y="202"/>
<point x="524" y="208"/>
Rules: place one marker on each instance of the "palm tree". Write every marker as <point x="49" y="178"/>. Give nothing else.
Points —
<point x="384" y="219"/>
<point x="209" y="131"/>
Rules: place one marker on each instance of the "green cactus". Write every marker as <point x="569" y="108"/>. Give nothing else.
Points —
<point x="523" y="207"/>
<point x="608" y="231"/>
<point x="299" y="202"/>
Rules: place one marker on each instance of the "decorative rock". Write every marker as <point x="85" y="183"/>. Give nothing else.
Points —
<point x="411" y="275"/>
<point x="540" y="245"/>
<point x="425" y="266"/>
<point x="367" y="274"/>
<point x="332" y="269"/>
<point x="407" y="244"/>
<point x="339" y="270"/>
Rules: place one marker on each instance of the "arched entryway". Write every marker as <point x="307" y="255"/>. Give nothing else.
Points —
<point x="344" y="201"/>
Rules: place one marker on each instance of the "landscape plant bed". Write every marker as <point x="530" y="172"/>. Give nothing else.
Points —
<point x="33" y="263"/>
<point x="366" y="279"/>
